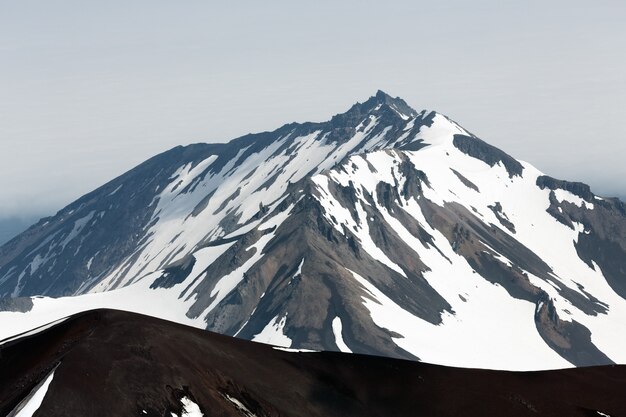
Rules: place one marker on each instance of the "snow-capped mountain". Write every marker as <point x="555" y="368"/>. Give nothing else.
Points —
<point x="384" y="231"/>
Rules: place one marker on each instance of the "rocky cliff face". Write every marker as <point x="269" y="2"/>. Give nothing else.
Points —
<point x="384" y="230"/>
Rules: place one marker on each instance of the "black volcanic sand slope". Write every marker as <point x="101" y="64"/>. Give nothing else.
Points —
<point x="113" y="363"/>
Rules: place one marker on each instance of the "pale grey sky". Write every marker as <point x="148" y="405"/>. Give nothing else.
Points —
<point x="88" y="89"/>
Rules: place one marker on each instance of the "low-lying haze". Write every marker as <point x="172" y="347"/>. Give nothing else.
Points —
<point x="90" y="89"/>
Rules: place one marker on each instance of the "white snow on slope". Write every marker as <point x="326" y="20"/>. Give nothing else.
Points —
<point x="33" y="331"/>
<point x="240" y="406"/>
<point x="238" y="190"/>
<point x="33" y="401"/>
<point x="292" y="350"/>
<point x="79" y="225"/>
<point x="162" y="303"/>
<point x="190" y="409"/>
<point x="298" y="272"/>
<point x="229" y="282"/>
<point x="337" y="329"/>
<point x="525" y="205"/>
<point x="273" y="334"/>
<point x="205" y="257"/>
<point x="342" y="216"/>
<point x="479" y="337"/>
<point x="563" y="195"/>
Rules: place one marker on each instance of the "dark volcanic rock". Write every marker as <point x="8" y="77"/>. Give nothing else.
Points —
<point x="111" y="363"/>
<point x="577" y="188"/>
<point x="175" y="273"/>
<point x="465" y="181"/>
<point x="501" y="216"/>
<point x="491" y="155"/>
<point x="571" y="340"/>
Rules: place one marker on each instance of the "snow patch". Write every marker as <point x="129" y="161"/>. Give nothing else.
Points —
<point x="119" y="187"/>
<point x="292" y="350"/>
<point x="297" y="274"/>
<point x="240" y="406"/>
<point x="510" y="348"/>
<point x="563" y="195"/>
<point x="190" y="409"/>
<point x="273" y="334"/>
<point x="337" y="330"/>
<point x="32" y="402"/>
<point x="229" y="282"/>
<point x="33" y="331"/>
<point x="78" y="227"/>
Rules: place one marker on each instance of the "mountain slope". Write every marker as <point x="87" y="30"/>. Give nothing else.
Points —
<point x="117" y="232"/>
<point x="383" y="231"/>
<point x="106" y="363"/>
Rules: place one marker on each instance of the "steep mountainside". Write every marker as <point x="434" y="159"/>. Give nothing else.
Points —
<point x="107" y="363"/>
<point x="383" y="231"/>
<point x="187" y="197"/>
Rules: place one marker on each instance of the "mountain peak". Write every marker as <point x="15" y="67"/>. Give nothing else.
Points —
<point x="381" y="95"/>
<point x="277" y="236"/>
<point x="384" y="97"/>
<point x="380" y="103"/>
<point x="395" y="103"/>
